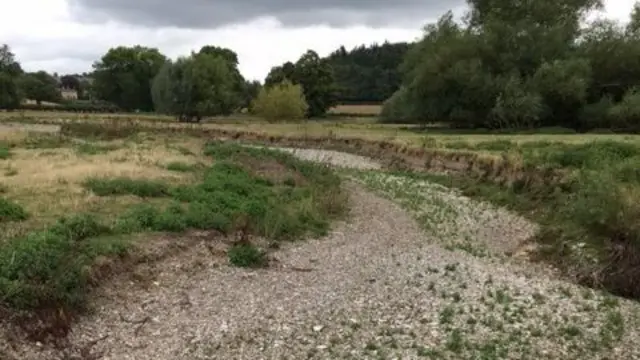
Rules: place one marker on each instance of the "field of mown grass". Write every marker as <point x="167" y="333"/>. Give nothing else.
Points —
<point x="68" y="205"/>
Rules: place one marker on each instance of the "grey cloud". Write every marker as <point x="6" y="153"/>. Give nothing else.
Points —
<point x="199" y="14"/>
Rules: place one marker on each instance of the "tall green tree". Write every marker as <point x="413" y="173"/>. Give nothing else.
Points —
<point x="200" y="85"/>
<point x="40" y="86"/>
<point x="250" y="92"/>
<point x="509" y="64"/>
<point x="367" y="74"/>
<point x="10" y="71"/>
<point x="316" y="77"/>
<point x="123" y="76"/>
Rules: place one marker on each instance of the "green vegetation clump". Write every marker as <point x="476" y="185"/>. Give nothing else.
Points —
<point x="281" y="102"/>
<point x="127" y="186"/>
<point x="246" y="255"/>
<point x="52" y="268"/>
<point x="5" y="152"/>
<point x="10" y="211"/>
<point x="179" y="166"/>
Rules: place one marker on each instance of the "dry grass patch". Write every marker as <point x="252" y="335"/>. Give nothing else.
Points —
<point x="48" y="182"/>
<point x="356" y="109"/>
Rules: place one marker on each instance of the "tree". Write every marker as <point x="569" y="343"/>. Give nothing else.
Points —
<point x="199" y="85"/>
<point x="10" y="71"/>
<point x="367" y="74"/>
<point x="70" y="82"/>
<point x="511" y="64"/>
<point x="40" y="86"/>
<point x="284" y="101"/>
<point x="123" y="76"/>
<point x="316" y="78"/>
<point x="250" y="92"/>
<point x="634" y="22"/>
<point x="278" y="74"/>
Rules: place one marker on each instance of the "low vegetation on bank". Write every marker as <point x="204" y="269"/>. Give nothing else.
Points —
<point x="72" y="206"/>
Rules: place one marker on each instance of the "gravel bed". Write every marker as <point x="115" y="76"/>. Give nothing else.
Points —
<point x="330" y="157"/>
<point x="454" y="220"/>
<point x="377" y="287"/>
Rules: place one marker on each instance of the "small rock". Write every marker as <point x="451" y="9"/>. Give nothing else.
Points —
<point x="318" y="328"/>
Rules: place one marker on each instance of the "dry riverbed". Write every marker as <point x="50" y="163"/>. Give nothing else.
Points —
<point x="418" y="271"/>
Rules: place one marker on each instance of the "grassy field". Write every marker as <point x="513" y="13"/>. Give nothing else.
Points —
<point x="70" y="205"/>
<point x="363" y="110"/>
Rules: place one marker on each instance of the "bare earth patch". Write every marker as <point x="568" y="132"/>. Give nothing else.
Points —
<point x="377" y="287"/>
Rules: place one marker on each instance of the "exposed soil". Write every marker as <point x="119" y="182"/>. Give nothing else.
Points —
<point x="378" y="287"/>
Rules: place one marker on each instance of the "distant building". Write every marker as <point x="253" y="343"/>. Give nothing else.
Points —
<point x="68" y="93"/>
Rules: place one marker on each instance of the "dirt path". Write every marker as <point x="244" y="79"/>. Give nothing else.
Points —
<point x="378" y="287"/>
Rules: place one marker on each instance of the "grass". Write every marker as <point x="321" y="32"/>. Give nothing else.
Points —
<point x="126" y="186"/>
<point x="76" y="209"/>
<point x="356" y="110"/>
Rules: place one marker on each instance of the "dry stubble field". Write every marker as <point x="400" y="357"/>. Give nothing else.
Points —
<point x="147" y="196"/>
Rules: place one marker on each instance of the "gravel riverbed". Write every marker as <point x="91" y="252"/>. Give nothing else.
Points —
<point x="382" y="285"/>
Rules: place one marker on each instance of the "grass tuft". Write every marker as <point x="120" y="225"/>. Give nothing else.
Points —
<point x="246" y="255"/>
<point x="182" y="167"/>
<point x="127" y="186"/>
<point x="10" y="211"/>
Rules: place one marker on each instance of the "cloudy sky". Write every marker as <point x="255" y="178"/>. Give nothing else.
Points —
<point x="69" y="35"/>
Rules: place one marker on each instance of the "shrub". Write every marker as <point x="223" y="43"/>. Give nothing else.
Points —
<point x="283" y="101"/>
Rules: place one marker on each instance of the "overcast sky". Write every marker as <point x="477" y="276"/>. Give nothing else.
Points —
<point x="69" y="35"/>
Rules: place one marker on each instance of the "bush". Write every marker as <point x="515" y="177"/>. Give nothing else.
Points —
<point x="283" y="101"/>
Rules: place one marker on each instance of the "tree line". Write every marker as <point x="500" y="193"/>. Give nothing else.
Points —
<point x="208" y="82"/>
<point x="523" y="64"/>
